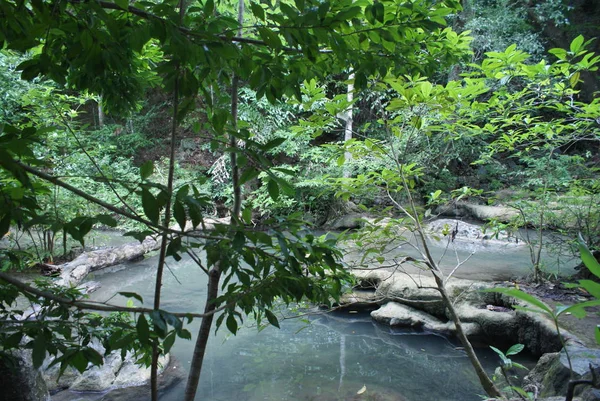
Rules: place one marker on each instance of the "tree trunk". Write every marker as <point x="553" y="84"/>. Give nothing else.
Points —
<point x="100" y="113"/>
<point x="487" y="384"/>
<point x="214" y="277"/>
<point x="349" y="122"/>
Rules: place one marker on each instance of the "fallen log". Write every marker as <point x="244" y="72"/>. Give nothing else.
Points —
<point x="72" y="273"/>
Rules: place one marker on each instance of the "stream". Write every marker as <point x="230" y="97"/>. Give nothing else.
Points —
<point x="325" y="357"/>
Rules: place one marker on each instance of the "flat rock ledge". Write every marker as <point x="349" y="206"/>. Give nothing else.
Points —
<point x="501" y="213"/>
<point x="412" y="301"/>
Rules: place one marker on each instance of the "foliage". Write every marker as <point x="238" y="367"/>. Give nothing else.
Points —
<point x="117" y="50"/>
<point x="506" y="365"/>
<point x="497" y="24"/>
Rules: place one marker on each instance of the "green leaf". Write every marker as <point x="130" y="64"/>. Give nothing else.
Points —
<point x="159" y="321"/>
<point x="272" y="318"/>
<point x="132" y="295"/>
<point x="269" y="37"/>
<point x="561" y="54"/>
<point x="576" y="44"/>
<point x="209" y="7"/>
<point x="13" y="340"/>
<point x="515" y="349"/>
<point x="248" y="174"/>
<point x="238" y="240"/>
<point x="4" y="225"/>
<point x="588" y="259"/>
<point x="79" y="361"/>
<point x="497" y="351"/>
<point x="92" y="356"/>
<point x="39" y="350"/>
<point x="578" y="309"/>
<point x="597" y="334"/>
<point x="592" y="287"/>
<point x="174" y="248"/>
<point x="257" y="10"/>
<point x="518" y="365"/>
<point x="107" y="220"/>
<point x="143" y="330"/>
<point x="146" y="169"/>
<point x="150" y="205"/>
<point x="523" y="296"/>
<point x="123" y="4"/>
<point x="169" y="341"/>
<point x="231" y="324"/>
<point x="247" y="215"/>
<point x="574" y="79"/>
<point x="273" y="189"/>
<point x="273" y="144"/>
<point x="179" y="214"/>
<point x="378" y="11"/>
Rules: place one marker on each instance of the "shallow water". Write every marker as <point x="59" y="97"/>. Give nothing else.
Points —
<point x="329" y="358"/>
<point x="478" y="259"/>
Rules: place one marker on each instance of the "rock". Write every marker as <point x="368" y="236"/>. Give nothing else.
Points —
<point x="396" y="314"/>
<point x="359" y="299"/>
<point x="131" y="374"/>
<point x="501" y="213"/>
<point x="552" y="374"/>
<point x="347" y="222"/>
<point x="99" y="378"/>
<point x="459" y="231"/>
<point x="19" y="381"/>
<point x="494" y="326"/>
<point x="171" y="375"/>
<point x="590" y="394"/>
<point x="489" y="314"/>
<point x="114" y="373"/>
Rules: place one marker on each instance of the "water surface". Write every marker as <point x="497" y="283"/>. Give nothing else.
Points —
<point x="331" y="357"/>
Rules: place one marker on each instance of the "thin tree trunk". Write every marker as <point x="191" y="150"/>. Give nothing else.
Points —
<point x="487" y="384"/>
<point x="165" y="234"/>
<point x="214" y="275"/>
<point x="100" y="113"/>
<point x="349" y="122"/>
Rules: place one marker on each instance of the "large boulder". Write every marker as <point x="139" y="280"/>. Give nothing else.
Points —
<point x="116" y="372"/>
<point x="19" y="381"/>
<point x="349" y="221"/>
<point x="172" y="374"/>
<point x="552" y="373"/>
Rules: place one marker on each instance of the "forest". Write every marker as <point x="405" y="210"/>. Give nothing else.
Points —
<point x="287" y="150"/>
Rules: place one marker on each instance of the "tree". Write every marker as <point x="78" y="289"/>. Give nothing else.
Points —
<point x="102" y="47"/>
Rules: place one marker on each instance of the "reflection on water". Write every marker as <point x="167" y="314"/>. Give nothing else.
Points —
<point x="331" y="358"/>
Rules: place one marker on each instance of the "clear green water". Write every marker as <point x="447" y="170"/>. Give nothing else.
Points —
<point x="331" y="358"/>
